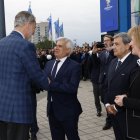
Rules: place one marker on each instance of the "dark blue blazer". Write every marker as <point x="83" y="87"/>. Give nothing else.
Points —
<point x="63" y="90"/>
<point x="118" y="83"/>
<point x="119" y="80"/>
<point x="18" y="68"/>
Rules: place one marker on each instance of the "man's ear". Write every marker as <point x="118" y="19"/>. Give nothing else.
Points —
<point x="129" y="47"/>
<point x="69" y="51"/>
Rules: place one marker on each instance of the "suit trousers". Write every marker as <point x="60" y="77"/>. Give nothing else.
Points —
<point x="67" y="127"/>
<point x="103" y="91"/>
<point x="96" y="92"/>
<point x="119" y="125"/>
<point x="14" y="131"/>
<point x="34" y="126"/>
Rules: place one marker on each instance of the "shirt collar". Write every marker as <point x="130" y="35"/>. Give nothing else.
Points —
<point x="62" y="59"/>
<point x="20" y="33"/>
<point x="122" y="60"/>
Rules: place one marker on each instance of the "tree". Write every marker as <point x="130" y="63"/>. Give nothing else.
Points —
<point x="46" y="44"/>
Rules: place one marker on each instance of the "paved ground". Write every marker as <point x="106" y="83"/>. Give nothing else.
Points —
<point x="90" y="126"/>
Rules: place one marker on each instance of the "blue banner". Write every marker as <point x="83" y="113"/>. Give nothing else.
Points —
<point x="61" y="31"/>
<point x="56" y="26"/>
<point x="50" y="27"/>
<point x="109" y="15"/>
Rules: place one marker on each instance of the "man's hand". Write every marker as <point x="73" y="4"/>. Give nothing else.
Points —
<point x="96" y="50"/>
<point x="111" y="110"/>
<point x="50" y="80"/>
<point x="119" y="99"/>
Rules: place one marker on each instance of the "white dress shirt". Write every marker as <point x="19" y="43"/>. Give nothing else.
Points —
<point x="62" y="60"/>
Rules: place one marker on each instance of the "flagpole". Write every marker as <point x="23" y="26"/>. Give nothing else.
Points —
<point x="2" y="20"/>
<point x="51" y="32"/>
<point x="52" y="40"/>
<point x="58" y="27"/>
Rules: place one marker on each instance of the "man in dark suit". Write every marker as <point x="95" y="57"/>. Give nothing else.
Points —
<point x="94" y="71"/>
<point x="18" y="68"/>
<point x="105" y="56"/>
<point x="63" y="107"/>
<point x="118" y="82"/>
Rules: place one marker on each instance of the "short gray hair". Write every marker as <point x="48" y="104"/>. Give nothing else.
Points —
<point x="69" y="43"/>
<point x="125" y="38"/>
<point x="23" y="17"/>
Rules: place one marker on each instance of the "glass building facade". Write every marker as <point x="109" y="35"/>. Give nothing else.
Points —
<point x="135" y="12"/>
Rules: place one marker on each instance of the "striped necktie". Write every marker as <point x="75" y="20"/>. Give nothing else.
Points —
<point x="54" y="69"/>
<point x="118" y="64"/>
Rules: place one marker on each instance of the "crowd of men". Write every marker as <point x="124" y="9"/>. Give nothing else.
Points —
<point x="97" y="65"/>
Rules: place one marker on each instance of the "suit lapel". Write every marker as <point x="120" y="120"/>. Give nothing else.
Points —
<point x="135" y="77"/>
<point x="112" y="70"/>
<point x="16" y="33"/>
<point x="122" y="66"/>
<point x="49" y="67"/>
<point x="102" y="57"/>
<point x="63" y="68"/>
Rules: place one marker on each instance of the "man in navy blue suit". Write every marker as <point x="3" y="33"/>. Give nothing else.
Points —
<point x="63" y="107"/>
<point x="118" y="82"/>
<point x="19" y="68"/>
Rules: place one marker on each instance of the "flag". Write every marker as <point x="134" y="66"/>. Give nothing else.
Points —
<point x="29" y="9"/>
<point x="56" y="26"/>
<point x="61" y="31"/>
<point x="50" y="27"/>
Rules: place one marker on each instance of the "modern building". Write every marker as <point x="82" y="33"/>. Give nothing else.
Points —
<point x="119" y="15"/>
<point x="41" y="32"/>
<point x="135" y="12"/>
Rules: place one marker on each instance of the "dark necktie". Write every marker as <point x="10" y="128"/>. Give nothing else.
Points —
<point x="106" y="54"/>
<point x="118" y="64"/>
<point x="55" y="68"/>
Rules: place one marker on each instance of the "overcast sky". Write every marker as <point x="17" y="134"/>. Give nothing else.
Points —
<point x="81" y="18"/>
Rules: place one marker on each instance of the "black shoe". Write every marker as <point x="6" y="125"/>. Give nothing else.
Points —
<point x="107" y="126"/>
<point x="33" y="137"/>
<point x="99" y="114"/>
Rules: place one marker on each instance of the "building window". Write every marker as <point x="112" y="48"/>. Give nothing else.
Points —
<point x="135" y="12"/>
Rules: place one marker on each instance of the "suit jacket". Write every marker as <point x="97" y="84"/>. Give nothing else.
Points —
<point x="132" y="104"/>
<point x="118" y="83"/>
<point x="119" y="80"/>
<point x="94" y="68"/>
<point x="63" y="90"/>
<point x="18" y="67"/>
<point x="104" y="65"/>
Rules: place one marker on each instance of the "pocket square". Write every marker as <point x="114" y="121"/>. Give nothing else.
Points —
<point x="122" y="74"/>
